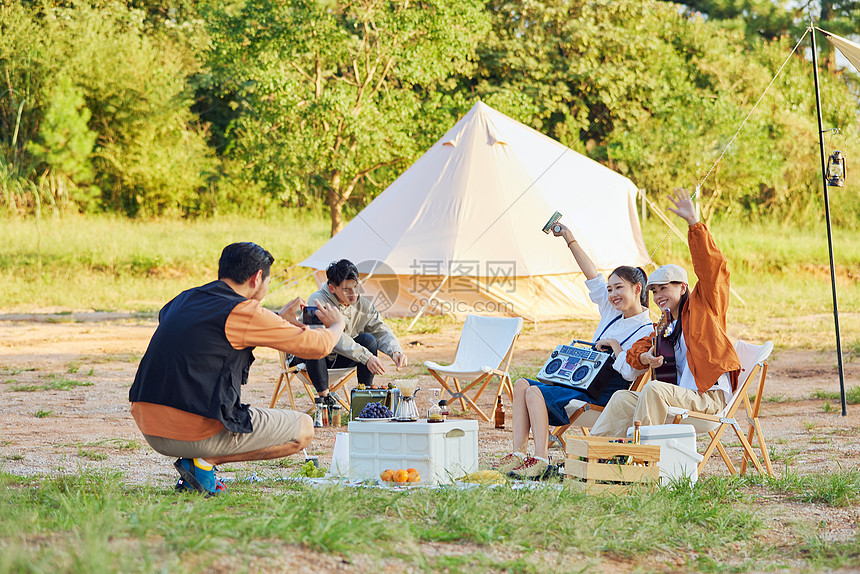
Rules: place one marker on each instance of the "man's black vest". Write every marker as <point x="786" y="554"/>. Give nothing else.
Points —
<point x="190" y="365"/>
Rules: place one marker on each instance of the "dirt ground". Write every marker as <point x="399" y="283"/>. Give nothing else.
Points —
<point x="44" y="431"/>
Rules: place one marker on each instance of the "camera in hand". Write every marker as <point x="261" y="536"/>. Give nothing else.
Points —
<point x="551" y="225"/>
<point x="309" y="316"/>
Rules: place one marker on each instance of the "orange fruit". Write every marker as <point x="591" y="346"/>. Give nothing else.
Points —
<point x="387" y="475"/>
<point x="401" y="475"/>
<point x="412" y="470"/>
<point x="413" y="476"/>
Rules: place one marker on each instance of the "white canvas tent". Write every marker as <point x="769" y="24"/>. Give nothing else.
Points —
<point x="848" y="48"/>
<point x="461" y="228"/>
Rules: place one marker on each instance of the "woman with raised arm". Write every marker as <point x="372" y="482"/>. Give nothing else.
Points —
<point x="623" y="305"/>
<point x="706" y="364"/>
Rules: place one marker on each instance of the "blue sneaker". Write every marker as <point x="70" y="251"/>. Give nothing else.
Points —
<point x="198" y="477"/>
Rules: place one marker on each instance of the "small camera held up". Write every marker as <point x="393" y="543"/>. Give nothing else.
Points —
<point x="551" y="223"/>
<point x="309" y="316"/>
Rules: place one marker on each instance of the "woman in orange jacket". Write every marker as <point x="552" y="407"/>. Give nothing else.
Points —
<point x="706" y="364"/>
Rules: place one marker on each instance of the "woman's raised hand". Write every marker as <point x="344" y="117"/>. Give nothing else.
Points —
<point x="563" y="231"/>
<point x="684" y="206"/>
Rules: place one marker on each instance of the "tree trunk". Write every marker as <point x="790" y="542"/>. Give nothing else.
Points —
<point x="336" y="201"/>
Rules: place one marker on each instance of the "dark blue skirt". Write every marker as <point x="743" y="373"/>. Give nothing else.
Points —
<point x="556" y="397"/>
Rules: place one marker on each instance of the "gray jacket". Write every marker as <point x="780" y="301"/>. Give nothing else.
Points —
<point x="360" y="317"/>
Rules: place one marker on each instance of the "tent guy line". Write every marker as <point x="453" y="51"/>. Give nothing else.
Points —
<point x="731" y="141"/>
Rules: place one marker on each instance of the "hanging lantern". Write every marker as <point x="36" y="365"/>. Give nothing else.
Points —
<point x="836" y="169"/>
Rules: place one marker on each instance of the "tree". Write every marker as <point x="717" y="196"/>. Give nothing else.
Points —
<point x="333" y="93"/>
<point x="72" y="72"/>
<point x="658" y="95"/>
<point x="65" y="142"/>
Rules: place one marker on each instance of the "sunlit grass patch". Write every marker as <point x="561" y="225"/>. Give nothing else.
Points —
<point x="852" y="395"/>
<point x="839" y="488"/>
<point x="53" y="382"/>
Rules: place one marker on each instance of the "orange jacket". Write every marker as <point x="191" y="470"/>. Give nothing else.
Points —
<point x="710" y="352"/>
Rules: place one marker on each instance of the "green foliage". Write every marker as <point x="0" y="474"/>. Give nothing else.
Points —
<point x="64" y="141"/>
<point x="94" y="99"/>
<point x="185" y="108"/>
<point x="331" y="94"/>
<point x="659" y="97"/>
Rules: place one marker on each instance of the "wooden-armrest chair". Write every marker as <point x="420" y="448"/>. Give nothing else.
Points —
<point x="586" y="414"/>
<point x="337" y="379"/>
<point x="753" y="359"/>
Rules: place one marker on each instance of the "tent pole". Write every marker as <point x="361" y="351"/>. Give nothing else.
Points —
<point x="429" y="299"/>
<point x="827" y="215"/>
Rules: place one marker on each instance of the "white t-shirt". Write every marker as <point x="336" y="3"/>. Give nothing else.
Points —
<point x="685" y="376"/>
<point x="624" y="330"/>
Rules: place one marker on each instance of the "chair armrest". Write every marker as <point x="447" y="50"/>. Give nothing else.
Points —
<point x="675" y="411"/>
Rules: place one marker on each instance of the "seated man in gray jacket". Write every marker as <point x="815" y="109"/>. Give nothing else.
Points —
<point x="364" y="335"/>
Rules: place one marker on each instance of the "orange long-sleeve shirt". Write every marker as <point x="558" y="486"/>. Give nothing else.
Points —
<point x="248" y="325"/>
<point x="710" y="352"/>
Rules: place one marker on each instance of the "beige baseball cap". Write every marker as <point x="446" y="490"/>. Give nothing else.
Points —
<point x="667" y="274"/>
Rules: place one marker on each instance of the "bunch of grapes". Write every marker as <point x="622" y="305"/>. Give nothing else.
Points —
<point x="375" y="411"/>
<point x="309" y="470"/>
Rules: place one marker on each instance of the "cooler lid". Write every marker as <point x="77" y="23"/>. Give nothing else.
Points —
<point x="652" y="432"/>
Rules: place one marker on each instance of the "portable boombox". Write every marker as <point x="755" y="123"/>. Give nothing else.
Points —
<point x="581" y="368"/>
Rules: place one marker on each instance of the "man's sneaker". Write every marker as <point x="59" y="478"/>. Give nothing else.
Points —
<point x="329" y="399"/>
<point x="532" y="468"/>
<point x="510" y="462"/>
<point x="199" y="477"/>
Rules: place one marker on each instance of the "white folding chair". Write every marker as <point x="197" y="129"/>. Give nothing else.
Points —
<point x="337" y="378"/>
<point x="484" y="351"/>
<point x="753" y="358"/>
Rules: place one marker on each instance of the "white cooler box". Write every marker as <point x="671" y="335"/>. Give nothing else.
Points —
<point x="440" y="452"/>
<point x="678" y="456"/>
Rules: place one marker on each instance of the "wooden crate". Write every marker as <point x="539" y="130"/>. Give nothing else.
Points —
<point x="592" y="464"/>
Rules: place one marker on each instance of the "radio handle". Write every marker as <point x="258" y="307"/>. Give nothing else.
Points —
<point x="589" y="343"/>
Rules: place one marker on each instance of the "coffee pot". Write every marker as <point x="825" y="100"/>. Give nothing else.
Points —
<point x="406" y="410"/>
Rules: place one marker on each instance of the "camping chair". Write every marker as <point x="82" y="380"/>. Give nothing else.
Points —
<point x="753" y="358"/>
<point x="337" y="378"/>
<point x="586" y="414"/>
<point x="484" y="351"/>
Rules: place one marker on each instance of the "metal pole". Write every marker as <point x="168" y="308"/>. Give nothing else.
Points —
<point x="827" y="215"/>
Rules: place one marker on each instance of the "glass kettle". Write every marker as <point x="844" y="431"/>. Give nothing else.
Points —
<point x="406" y="410"/>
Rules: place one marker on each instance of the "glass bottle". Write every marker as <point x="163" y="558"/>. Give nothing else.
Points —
<point x="335" y="415"/>
<point x="434" y="414"/>
<point x="318" y="414"/>
<point x="500" y="415"/>
<point x="443" y="406"/>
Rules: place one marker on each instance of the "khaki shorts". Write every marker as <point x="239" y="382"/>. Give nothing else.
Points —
<point x="272" y="427"/>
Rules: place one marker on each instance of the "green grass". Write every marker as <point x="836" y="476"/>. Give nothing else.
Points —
<point x="113" y="264"/>
<point x="42" y="413"/>
<point x="53" y="382"/>
<point x="95" y="523"/>
<point x="91" y="454"/>
<point x="852" y="395"/>
<point x="840" y="488"/>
